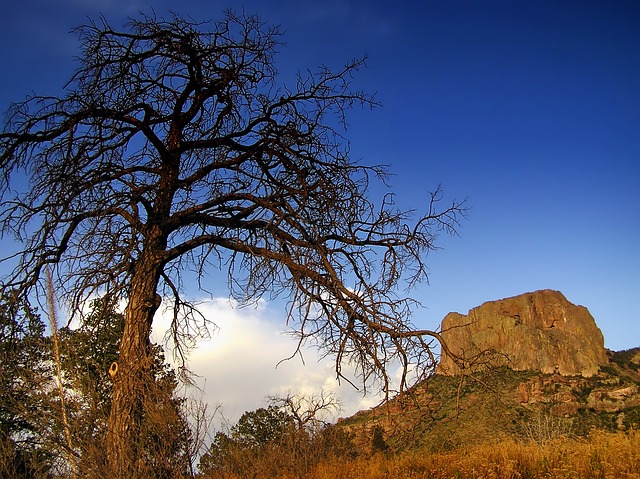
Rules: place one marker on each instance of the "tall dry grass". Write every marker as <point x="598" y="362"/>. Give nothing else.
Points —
<point x="600" y="456"/>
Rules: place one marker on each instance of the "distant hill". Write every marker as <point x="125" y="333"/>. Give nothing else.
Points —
<point x="488" y="401"/>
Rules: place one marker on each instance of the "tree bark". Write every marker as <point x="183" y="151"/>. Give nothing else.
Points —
<point x="133" y="379"/>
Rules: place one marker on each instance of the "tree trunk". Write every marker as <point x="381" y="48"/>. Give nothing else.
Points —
<point x="133" y="378"/>
<point x="133" y="383"/>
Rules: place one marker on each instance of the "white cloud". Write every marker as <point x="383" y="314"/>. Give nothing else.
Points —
<point x="242" y="362"/>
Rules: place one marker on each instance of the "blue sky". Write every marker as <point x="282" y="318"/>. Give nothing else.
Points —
<point x="531" y="109"/>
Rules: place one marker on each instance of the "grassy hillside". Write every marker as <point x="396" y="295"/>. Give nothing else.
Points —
<point x="449" y="412"/>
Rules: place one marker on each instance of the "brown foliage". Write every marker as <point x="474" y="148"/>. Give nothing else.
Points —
<point x="601" y="455"/>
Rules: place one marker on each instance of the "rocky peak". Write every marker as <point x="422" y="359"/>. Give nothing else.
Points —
<point x="539" y="331"/>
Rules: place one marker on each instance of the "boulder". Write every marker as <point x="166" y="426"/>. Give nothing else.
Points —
<point x="539" y="331"/>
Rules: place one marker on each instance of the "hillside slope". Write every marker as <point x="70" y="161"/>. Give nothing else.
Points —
<point x="485" y="407"/>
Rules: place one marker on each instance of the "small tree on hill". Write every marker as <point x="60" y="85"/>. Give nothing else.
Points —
<point x="172" y="149"/>
<point x="378" y="444"/>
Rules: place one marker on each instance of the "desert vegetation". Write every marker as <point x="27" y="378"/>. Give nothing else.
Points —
<point x="600" y="455"/>
<point x="333" y="454"/>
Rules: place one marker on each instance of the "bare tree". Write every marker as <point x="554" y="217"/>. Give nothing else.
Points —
<point x="173" y="150"/>
<point x="307" y="410"/>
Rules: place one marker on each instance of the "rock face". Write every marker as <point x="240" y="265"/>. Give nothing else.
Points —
<point x="539" y="331"/>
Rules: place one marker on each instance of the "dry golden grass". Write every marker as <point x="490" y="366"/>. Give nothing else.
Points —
<point x="603" y="456"/>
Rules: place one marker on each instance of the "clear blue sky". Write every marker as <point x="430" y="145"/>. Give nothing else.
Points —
<point x="531" y="109"/>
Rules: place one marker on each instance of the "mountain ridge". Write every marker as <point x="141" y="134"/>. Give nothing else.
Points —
<point x="489" y="400"/>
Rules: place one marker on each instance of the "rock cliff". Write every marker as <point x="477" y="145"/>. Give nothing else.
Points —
<point x="539" y="331"/>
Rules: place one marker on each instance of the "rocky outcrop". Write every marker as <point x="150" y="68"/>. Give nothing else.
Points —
<point x="566" y="396"/>
<point x="539" y="331"/>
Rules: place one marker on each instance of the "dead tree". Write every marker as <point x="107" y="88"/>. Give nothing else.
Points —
<point x="307" y="410"/>
<point x="172" y="150"/>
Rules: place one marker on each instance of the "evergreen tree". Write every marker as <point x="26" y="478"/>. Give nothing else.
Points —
<point x="31" y="431"/>
<point x="24" y="372"/>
